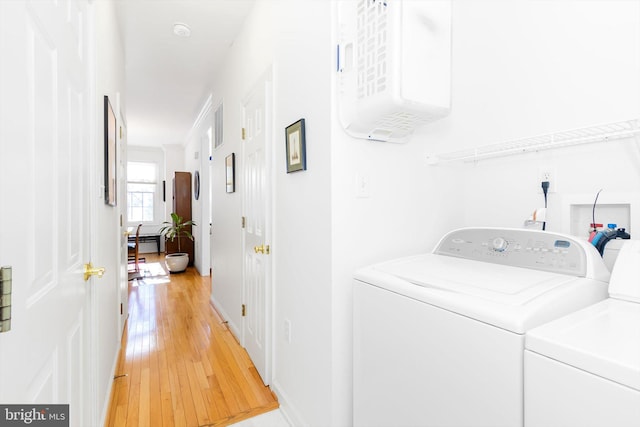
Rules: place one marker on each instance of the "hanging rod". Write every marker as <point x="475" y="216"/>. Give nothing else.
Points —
<point x="599" y="133"/>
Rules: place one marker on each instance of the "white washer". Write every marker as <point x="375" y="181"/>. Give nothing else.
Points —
<point x="439" y="337"/>
<point x="583" y="369"/>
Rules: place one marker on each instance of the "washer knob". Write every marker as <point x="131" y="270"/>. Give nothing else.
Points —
<point x="499" y="244"/>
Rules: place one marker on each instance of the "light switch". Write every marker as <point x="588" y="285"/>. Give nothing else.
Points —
<point x="362" y="186"/>
<point x="287" y="330"/>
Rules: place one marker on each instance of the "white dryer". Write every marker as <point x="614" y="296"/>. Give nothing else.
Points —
<point x="439" y="337"/>
<point x="583" y="370"/>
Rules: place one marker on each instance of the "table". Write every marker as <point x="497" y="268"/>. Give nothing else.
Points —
<point x="146" y="238"/>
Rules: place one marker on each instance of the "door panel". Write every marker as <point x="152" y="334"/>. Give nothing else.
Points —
<point x="256" y="208"/>
<point x="44" y="220"/>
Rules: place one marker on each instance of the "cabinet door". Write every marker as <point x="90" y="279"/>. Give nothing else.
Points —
<point x="182" y="207"/>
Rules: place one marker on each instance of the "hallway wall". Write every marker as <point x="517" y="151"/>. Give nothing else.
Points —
<point x="196" y="157"/>
<point x="106" y="245"/>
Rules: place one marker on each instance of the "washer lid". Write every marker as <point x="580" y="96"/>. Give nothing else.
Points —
<point x="501" y="284"/>
<point x="603" y="339"/>
<point x="512" y="298"/>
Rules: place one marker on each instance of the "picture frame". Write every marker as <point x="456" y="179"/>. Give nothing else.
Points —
<point x="230" y="166"/>
<point x="110" y="152"/>
<point x="196" y="185"/>
<point x="296" y="147"/>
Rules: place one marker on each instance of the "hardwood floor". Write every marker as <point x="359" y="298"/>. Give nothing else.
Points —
<point x="179" y="365"/>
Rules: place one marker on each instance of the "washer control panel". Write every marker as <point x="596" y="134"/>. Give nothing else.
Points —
<point x="541" y="250"/>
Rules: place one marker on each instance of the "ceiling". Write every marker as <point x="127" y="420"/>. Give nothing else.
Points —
<point x="167" y="77"/>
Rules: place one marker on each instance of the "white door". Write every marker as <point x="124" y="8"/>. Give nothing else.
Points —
<point x="257" y="233"/>
<point x="45" y="109"/>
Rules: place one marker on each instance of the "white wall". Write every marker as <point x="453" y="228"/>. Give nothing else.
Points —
<point x="106" y="244"/>
<point x="196" y="154"/>
<point x="564" y="65"/>
<point x="520" y="68"/>
<point x="303" y="205"/>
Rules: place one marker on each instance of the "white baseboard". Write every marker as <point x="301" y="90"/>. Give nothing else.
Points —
<point x="225" y="316"/>
<point x="291" y="415"/>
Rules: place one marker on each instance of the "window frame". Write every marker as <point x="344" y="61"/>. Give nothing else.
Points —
<point x="156" y="193"/>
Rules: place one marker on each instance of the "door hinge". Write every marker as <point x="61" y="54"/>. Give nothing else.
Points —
<point x="244" y="134"/>
<point x="244" y="310"/>
<point x="244" y="222"/>
<point x="121" y="309"/>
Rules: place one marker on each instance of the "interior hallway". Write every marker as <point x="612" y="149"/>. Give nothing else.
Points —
<point x="179" y="365"/>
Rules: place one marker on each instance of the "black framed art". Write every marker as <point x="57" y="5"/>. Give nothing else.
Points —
<point x="296" y="147"/>
<point x="110" y="149"/>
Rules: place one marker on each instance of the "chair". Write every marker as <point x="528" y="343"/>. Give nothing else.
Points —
<point x="133" y="250"/>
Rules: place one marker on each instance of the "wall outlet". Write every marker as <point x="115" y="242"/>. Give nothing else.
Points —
<point x="287" y="330"/>
<point x="549" y="175"/>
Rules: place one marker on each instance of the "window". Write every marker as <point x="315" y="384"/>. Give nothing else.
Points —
<point x="141" y="191"/>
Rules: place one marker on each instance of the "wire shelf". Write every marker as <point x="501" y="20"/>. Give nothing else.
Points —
<point x="599" y="133"/>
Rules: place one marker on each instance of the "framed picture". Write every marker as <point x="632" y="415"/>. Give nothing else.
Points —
<point x="196" y="185"/>
<point x="230" y="166"/>
<point x="110" y="132"/>
<point x="296" y="147"/>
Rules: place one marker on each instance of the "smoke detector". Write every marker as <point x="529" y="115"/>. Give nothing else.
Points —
<point x="181" y="30"/>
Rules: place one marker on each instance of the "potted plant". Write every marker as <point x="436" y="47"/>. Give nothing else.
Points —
<point x="177" y="228"/>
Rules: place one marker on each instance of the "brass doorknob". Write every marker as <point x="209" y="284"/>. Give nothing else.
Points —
<point x="262" y="249"/>
<point x="90" y="270"/>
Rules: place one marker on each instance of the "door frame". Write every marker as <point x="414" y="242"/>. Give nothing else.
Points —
<point x="123" y="270"/>
<point x="263" y="83"/>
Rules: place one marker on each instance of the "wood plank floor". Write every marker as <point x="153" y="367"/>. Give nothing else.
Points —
<point x="179" y="365"/>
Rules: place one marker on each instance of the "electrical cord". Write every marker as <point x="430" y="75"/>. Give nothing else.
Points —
<point x="545" y="190"/>
<point x="593" y="212"/>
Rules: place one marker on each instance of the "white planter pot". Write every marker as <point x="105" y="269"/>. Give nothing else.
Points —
<point x="177" y="263"/>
